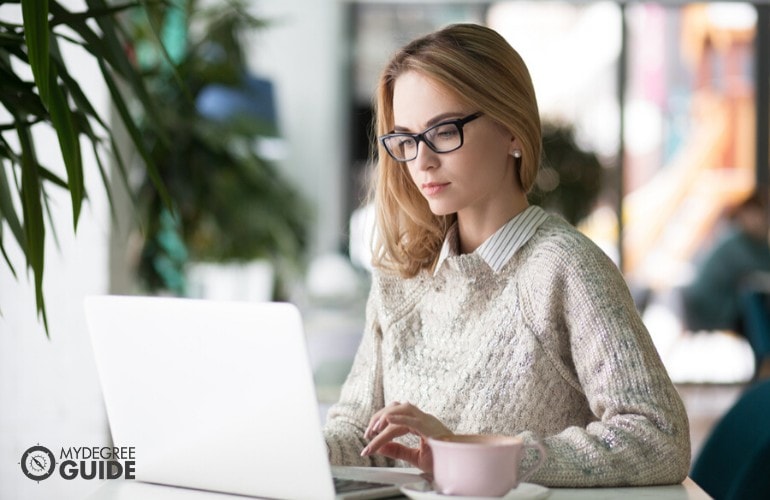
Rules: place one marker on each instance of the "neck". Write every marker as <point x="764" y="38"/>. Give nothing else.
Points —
<point x="473" y="230"/>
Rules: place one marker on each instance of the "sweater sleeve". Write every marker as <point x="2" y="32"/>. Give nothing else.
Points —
<point x="587" y="321"/>
<point x="361" y="396"/>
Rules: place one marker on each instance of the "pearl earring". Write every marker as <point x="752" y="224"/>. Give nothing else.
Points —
<point x="517" y="153"/>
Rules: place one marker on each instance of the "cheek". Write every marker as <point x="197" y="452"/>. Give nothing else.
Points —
<point x="490" y="145"/>
<point x="492" y="158"/>
<point x="494" y="172"/>
<point x="410" y="170"/>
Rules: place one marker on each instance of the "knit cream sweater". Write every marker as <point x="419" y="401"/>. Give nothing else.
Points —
<point x="551" y="348"/>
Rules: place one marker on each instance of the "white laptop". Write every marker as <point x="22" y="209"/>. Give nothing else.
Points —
<point x="217" y="396"/>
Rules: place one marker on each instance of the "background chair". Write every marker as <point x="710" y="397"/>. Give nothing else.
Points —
<point x="734" y="463"/>
<point x="756" y="319"/>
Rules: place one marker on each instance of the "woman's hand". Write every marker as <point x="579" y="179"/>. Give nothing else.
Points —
<point x="399" y="419"/>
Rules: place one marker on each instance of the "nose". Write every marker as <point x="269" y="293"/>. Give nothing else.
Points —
<point x="426" y="158"/>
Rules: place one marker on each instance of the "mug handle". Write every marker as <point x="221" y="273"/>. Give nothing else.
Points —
<point x="541" y="451"/>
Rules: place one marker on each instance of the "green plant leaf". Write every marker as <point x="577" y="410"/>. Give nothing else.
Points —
<point x="49" y="215"/>
<point x="36" y="33"/>
<point x="8" y="212"/>
<point x="105" y="182"/>
<point x="36" y="30"/>
<point x="34" y="225"/>
<point x="84" y="105"/>
<point x="61" y="117"/>
<point x="78" y="97"/>
<point x="49" y="176"/>
<point x="17" y="94"/>
<point x="6" y="258"/>
<point x="133" y="131"/>
<point x="108" y="49"/>
<point x="157" y="41"/>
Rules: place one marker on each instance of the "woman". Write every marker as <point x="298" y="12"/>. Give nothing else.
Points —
<point x="487" y="315"/>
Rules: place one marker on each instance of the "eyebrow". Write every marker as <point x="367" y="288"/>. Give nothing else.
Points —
<point x="433" y="121"/>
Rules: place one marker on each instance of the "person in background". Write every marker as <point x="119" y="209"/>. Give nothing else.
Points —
<point x="487" y="315"/>
<point x="712" y="301"/>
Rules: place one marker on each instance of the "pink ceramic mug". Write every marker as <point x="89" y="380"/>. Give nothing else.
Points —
<point x="480" y="465"/>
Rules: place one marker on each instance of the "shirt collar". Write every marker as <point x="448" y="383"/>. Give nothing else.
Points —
<point x="498" y="249"/>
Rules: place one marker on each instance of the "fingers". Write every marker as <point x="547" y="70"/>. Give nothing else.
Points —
<point x="389" y="433"/>
<point x="420" y="457"/>
<point x="375" y="426"/>
<point x="398" y="451"/>
<point x="413" y="423"/>
<point x="375" y="423"/>
<point x="398" y="420"/>
<point x="424" y="425"/>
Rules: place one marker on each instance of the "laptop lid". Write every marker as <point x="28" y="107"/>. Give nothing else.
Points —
<point x="211" y="395"/>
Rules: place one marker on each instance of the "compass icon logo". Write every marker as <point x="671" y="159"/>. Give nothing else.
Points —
<point x="38" y="463"/>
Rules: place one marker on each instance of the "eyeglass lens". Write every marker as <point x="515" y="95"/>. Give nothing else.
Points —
<point x="442" y="138"/>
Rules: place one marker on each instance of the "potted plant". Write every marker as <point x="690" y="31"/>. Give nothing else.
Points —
<point x="229" y="202"/>
<point x="570" y="179"/>
<point x="32" y="32"/>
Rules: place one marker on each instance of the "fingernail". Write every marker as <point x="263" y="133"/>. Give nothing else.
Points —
<point x="365" y="451"/>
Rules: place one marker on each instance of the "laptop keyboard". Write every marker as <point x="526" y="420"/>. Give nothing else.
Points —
<point x="348" y="485"/>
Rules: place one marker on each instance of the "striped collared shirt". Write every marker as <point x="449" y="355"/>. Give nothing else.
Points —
<point x="498" y="249"/>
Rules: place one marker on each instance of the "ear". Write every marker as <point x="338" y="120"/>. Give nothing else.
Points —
<point x="515" y="148"/>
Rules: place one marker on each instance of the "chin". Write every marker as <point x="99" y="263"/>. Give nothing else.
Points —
<point x="440" y="211"/>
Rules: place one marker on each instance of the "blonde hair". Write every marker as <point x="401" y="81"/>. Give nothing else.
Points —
<point x="484" y="71"/>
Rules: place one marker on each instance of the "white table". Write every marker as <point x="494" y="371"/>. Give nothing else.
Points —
<point x="687" y="490"/>
<point x="131" y="490"/>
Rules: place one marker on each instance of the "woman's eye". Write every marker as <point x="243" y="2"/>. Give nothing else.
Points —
<point x="445" y="132"/>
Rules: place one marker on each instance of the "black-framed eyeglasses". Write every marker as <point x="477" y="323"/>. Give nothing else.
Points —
<point x="443" y="137"/>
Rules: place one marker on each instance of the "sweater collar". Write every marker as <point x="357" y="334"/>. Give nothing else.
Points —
<point x="498" y="249"/>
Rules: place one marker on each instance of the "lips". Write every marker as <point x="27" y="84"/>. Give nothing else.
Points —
<point x="433" y="188"/>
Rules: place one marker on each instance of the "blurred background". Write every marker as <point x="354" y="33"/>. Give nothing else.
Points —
<point x="655" y="129"/>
